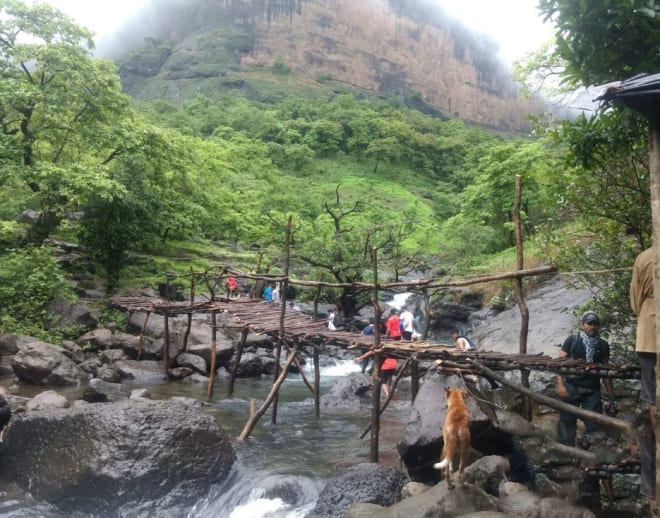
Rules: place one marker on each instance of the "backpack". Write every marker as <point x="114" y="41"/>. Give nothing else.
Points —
<point x="336" y="321"/>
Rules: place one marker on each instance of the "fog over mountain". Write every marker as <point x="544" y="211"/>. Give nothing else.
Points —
<point x="409" y="47"/>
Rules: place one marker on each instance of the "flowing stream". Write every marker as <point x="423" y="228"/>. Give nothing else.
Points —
<point x="299" y="451"/>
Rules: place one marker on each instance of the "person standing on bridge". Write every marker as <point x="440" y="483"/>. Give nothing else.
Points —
<point x="584" y="391"/>
<point x="642" y="303"/>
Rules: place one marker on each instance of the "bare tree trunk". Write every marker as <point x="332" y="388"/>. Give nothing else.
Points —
<point x="214" y="341"/>
<point x="526" y="409"/>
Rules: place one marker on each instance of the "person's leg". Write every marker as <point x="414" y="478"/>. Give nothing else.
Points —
<point x="592" y="401"/>
<point x="647" y="445"/>
<point x="567" y="426"/>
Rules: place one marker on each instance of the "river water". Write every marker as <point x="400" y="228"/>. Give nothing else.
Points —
<point x="300" y="450"/>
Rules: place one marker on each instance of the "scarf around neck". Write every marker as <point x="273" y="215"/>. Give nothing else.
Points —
<point x="590" y="345"/>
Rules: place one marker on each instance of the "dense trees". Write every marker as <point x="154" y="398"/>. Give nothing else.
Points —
<point x="603" y="183"/>
<point x="429" y="193"/>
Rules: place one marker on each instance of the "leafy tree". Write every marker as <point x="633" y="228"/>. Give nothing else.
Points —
<point x="605" y="179"/>
<point x="604" y="40"/>
<point x="59" y="109"/>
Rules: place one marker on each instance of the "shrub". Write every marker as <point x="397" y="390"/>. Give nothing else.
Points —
<point x="29" y="279"/>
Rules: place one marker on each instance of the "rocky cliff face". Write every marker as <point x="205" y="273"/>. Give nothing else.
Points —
<point x="368" y="45"/>
<point x="374" y="45"/>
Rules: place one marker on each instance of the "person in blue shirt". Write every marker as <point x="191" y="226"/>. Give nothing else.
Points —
<point x="268" y="293"/>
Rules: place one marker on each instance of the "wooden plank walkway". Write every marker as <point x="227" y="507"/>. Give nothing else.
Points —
<point x="264" y="317"/>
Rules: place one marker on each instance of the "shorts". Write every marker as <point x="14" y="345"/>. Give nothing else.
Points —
<point x="647" y="368"/>
<point x="386" y="375"/>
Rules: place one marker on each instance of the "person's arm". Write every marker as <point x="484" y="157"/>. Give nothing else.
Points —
<point x="562" y="391"/>
<point x="370" y="352"/>
<point x="609" y="387"/>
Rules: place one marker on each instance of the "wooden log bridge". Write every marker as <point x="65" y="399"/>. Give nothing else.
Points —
<point x="300" y="330"/>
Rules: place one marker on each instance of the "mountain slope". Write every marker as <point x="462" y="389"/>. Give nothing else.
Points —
<point x="210" y="47"/>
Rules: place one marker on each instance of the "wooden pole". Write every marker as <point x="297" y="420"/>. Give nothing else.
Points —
<point x="214" y="341"/>
<point x="255" y="415"/>
<point x="520" y="296"/>
<point x="166" y="344"/>
<point x="427" y="313"/>
<point x="141" y="339"/>
<point x="391" y="394"/>
<point x="596" y="417"/>
<point x="375" y="394"/>
<point x="192" y="301"/>
<point x="654" y="170"/>
<point x="414" y="378"/>
<point x="526" y="409"/>
<point x="317" y="383"/>
<point x="237" y="361"/>
<point x="280" y="334"/>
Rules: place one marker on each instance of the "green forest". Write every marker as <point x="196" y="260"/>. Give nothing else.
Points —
<point x="151" y="186"/>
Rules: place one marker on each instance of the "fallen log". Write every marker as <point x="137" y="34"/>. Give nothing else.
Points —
<point x="601" y="419"/>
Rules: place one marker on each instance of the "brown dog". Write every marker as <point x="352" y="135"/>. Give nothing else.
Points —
<point x="455" y="433"/>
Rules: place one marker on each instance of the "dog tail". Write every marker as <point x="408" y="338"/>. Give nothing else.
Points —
<point x="442" y="464"/>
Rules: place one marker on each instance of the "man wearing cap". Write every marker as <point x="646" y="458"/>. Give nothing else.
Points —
<point x="584" y="391"/>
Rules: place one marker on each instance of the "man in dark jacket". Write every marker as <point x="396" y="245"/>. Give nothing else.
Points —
<point x="584" y="391"/>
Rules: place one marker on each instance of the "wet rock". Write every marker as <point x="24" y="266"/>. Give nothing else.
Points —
<point x="46" y="400"/>
<point x="366" y="483"/>
<point x="250" y="366"/>
<point x="8" y="344"/>
<point x="63" y="313"/>
<point x="351" y="391"/>
<point x="96" y="340"/>
<point x="141" y="372"/>
<point x="135" y="458"/>
<point x="99" y="391"/>
<point x="438" y="501"/>
<point x="41" y="363"/>
<point x="192" y="361"/>
<point x="224" y="350"/>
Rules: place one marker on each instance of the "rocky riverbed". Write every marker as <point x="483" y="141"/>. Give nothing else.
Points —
<point x="111" y="436"/>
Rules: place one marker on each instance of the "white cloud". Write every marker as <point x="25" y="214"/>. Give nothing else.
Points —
<point x="515" y="24"/>
<point x="100" y="16"/>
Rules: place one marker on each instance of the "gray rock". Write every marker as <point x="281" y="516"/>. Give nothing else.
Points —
<point x="250" y="366"/>
<point x="99" y="391"/>
<point x="46" y="400"/>
<point x="192" y="361"/>
<point x="135" y="458"/>
<point x="439" y="502"/>
<point x="113" y="355"/>
<point x="8" y="344"/>
<point x="224" y="350"/>
<point x="351" y="391"/>
<point x="141" y="372"/>
<point x="140" y="393"/>
<point x="41" y="363"/>
<point x="368" y="483"/>
<point x="96" y="340"/>
<point x="66" y="314"/>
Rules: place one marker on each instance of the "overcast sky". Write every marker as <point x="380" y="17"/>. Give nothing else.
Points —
<point x="515" y="24"/>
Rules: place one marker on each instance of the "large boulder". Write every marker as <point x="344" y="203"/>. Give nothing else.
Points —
<point x="63" y="314"/>
<point x="41" y="363"/>
<point x="350" y="391"/>
<point x="133" y="458"/>
<point x="422" y="443"/>
<point x="367" y="482"/>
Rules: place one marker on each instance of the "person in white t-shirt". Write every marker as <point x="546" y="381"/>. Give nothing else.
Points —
<point x="407" y="321"/>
